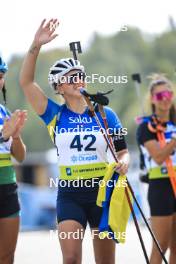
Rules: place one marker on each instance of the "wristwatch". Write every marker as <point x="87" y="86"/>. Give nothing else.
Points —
<point x="2" y="139"/>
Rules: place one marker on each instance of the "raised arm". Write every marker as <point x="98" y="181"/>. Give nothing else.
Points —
<point x="32" y="90"/>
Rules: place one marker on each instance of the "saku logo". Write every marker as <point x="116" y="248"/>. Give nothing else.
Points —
<point x="80" y="120"/>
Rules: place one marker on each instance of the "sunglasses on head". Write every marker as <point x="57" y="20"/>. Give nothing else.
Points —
<point x="163" y="95"/>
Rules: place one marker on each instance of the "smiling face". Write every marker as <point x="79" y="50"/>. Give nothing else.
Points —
<point x="71" y="85"/>
<point x="162" y="97"/>
<point x="1" y="80"/>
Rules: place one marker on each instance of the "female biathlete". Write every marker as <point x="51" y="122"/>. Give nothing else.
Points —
<point x="10" y="144"/>
<point x="162" y="200"/>
<point x="82" y="151"/>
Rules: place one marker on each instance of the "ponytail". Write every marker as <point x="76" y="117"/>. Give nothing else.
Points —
<point x="4" y="94"/>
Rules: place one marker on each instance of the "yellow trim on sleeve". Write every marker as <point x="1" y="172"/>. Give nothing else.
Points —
<point x="51" y="127"/>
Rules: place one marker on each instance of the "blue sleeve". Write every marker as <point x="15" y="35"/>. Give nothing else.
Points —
<point x="51" y="111"/>
<point x="112" y="118"/>
<point x="4" y="111"/>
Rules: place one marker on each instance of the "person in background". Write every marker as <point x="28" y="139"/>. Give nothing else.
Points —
<point x="162" y="200"/>
<point x="11" y="144"/>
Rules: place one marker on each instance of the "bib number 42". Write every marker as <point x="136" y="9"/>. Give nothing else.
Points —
<point x="76" y="143"/>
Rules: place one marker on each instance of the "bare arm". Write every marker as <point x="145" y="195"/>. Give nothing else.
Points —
<point x="18" y="149"/>
<point x="32" y="90"/>
<point x="160" y="154"/>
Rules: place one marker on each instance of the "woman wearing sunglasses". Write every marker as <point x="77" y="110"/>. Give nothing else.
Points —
<point x="162" y="200"/>
<point x="11" y="144"/>
<point x="82" y="151"/>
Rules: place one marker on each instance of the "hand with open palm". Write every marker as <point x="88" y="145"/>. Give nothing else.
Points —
<point x="46" y="32"/>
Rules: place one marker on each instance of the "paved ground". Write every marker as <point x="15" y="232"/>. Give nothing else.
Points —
<point x="42" y="247"/>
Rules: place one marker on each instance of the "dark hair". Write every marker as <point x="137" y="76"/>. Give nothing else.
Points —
<point x="4" y="91"/>
<point x="4" y="94"/>
<point x="159" y="79"/>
